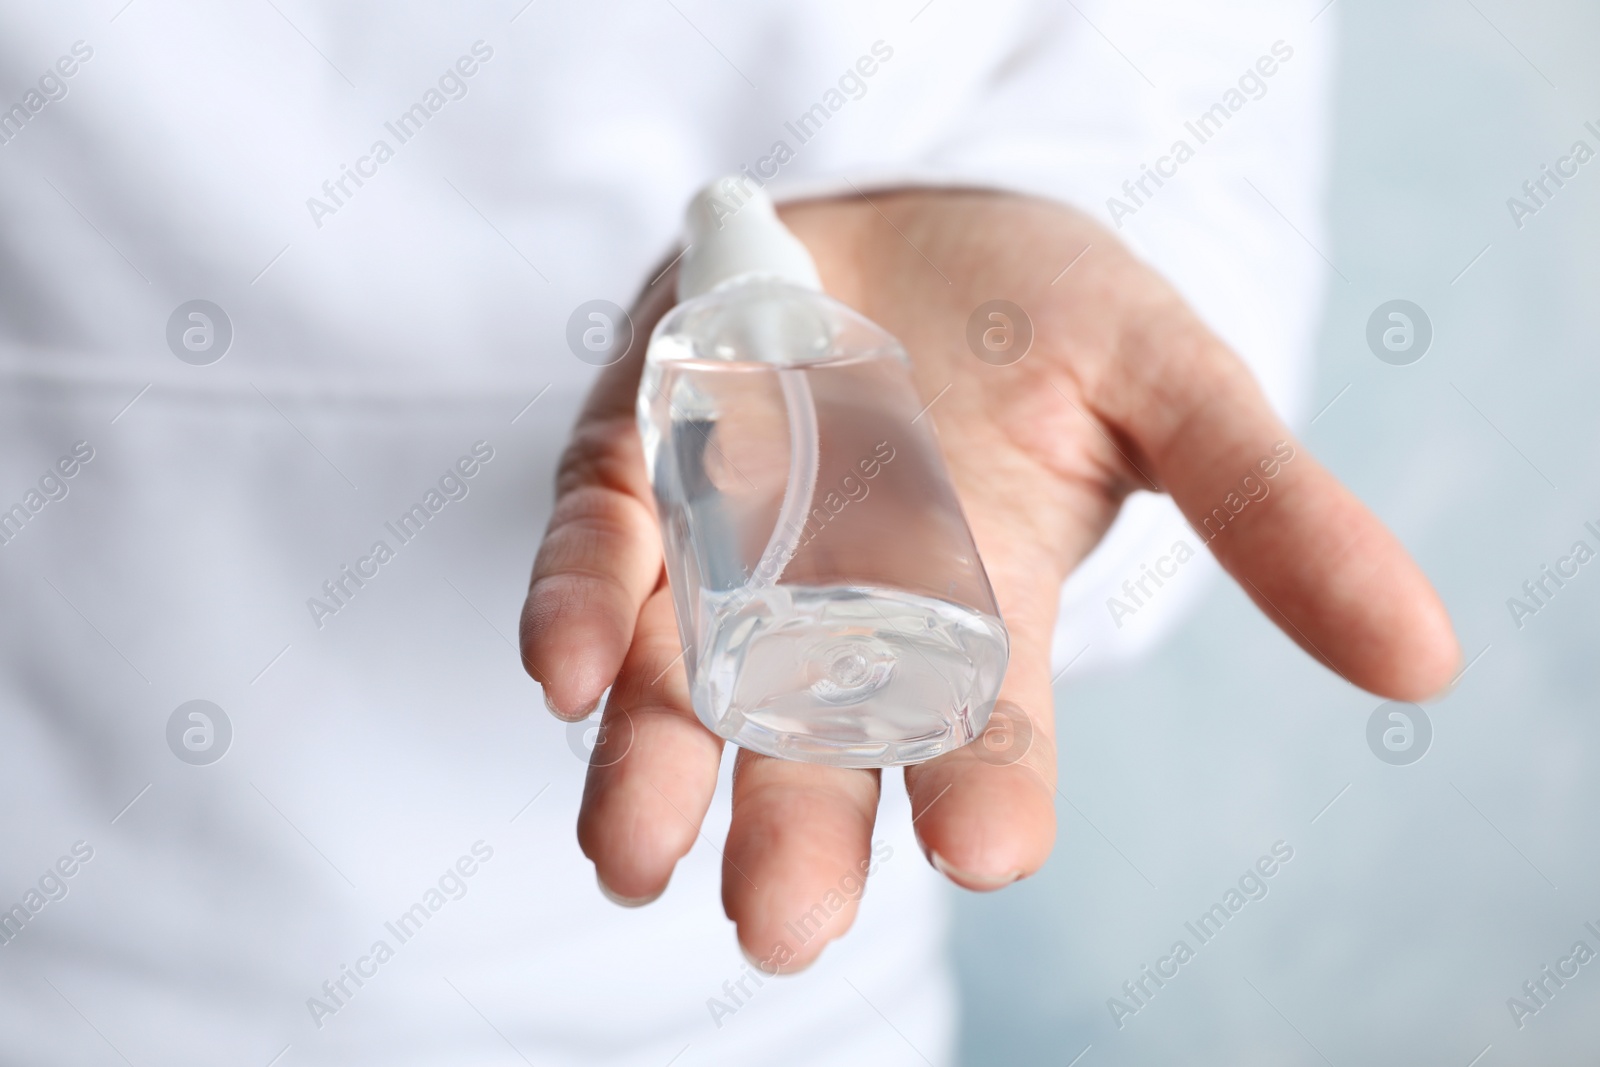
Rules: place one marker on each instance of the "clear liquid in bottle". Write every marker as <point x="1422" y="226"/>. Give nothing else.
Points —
<point x="827" y="588"/>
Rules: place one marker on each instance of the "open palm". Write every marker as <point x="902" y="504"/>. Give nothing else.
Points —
<point x="1123" y="388"/>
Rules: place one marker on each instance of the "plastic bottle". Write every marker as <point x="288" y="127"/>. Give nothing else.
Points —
<point x="829" y="595"/>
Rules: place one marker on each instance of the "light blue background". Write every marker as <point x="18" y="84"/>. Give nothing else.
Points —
<point x="1422" y="899"/>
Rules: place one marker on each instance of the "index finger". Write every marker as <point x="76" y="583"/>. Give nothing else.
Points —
<point x="601" y="555"/>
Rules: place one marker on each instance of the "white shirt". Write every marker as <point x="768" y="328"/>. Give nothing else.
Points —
<point x="379" y="332"/>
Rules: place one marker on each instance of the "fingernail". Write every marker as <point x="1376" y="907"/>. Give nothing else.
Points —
<point x="1449" y="687"/>
<point x="750" y="957"/>
<point x="783" y="969"/>
<point x="967" y="880"/>
<point x="626" y="902"/>
<point x="563" y="716"/>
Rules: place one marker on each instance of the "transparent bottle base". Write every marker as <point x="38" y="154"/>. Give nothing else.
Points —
<point x="847" y="676"/>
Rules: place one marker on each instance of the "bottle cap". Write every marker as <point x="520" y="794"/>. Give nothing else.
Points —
<point x="734" y="232"/>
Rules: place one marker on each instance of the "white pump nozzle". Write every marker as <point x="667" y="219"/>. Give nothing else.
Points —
<point x="734" y="231"/>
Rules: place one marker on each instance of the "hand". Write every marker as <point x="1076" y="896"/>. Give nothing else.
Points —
<point x="1123" y="389"/>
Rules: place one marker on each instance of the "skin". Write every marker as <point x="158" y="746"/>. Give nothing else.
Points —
<point x="1123" y="389"/>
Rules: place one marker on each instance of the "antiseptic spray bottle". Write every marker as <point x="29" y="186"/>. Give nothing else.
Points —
<point x="828" y="592"/>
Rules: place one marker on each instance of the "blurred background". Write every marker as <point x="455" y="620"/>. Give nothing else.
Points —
<point x="1420" y="896"/>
